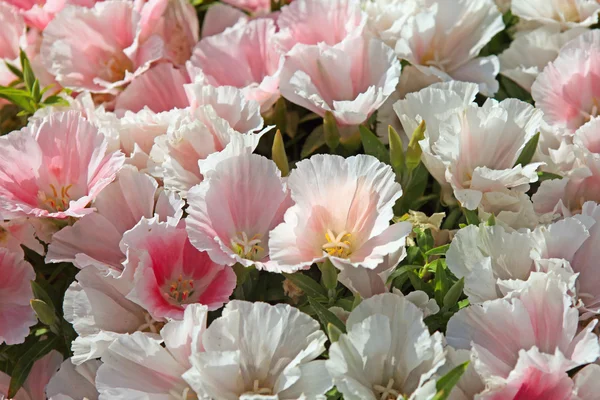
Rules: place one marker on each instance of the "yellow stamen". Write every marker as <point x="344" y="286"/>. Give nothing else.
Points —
<point x="387" y="392"/>
<point x="249" y="249"/>
<point x="336" y="246"/>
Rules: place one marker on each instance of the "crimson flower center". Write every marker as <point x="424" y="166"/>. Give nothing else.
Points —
<point x="179" y="290"/>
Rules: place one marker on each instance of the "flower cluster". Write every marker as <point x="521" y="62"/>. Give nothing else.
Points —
<point x="299" y="199"/>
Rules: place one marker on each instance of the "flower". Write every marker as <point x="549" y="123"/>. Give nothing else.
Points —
<point x="17" y="233"/>
<point x="16" y="315"/>
<point x="160" y="89"/>
<point x="557" y="90"/>
<point x="95" y="238"/>
<point x="34" y="386"/>
<point x="259" y="7"/>
<point x="385" y="18"/>
<point x="566" y="14"/>
<point x="443" y="39"/>
<point x="97" y="307"/>
<point x="82" y="48"/>
<point x="63" y="165"/>
<point x="137" y="365"/>
<point x="237" y="230"/>
<point x="342" y="212"/>
<point x="260" y="349"/>
<point x="11" y="38"/>
<point x="387" y="352"/>
<point x="38" y="13"/>
<point x="530" y="52"/>
<point x="169" y="273"/>
<point x="221" y="16"/>
<point x="74" y="382"/>
<point x="351" y="79"/>
<point x="258" y="71"/>
<point x="539" y="315"/>
<point x="312" y="22"/>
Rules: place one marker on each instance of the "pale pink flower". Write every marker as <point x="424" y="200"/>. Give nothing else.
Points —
<point x="351" y="79"/>
<point x="137" y="366"/>
<point x="98" y="49"/>
<point x="54" y="167"/>
<point x="251" y="48"/>
<point x="12" y="37"/>
<point x="585" y="262"/>
<point x="74" y="382"/>
<point x="38" y="13"/>
<point x="192" y="137"/>
<point x="34" y="387"/>
<point x="17" y="233"/>
<point x="567" y="91"/>
<point x="540" y="315"/>
<point x="94" y="239"/>
<point x="342" y="212"/>
<point x="170" y="274"/>
<point x="176" y="22"/>
<point x="530" y="52"/>
<point x="16" y="315"/>
<point x="220" y="17"/>
<point x="587" y="383"/>
<point x="385" y="18"/>
<point x="160" y="89"/>
<point x="564" y="13"/>
<point x="260" y="351"/>
<point x="444" y="37"/>
<point x="312" y="22"/>
<point x="259" y="7"/>
<point x="237" y="230"/>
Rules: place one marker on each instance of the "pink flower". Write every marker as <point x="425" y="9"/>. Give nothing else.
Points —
<point x="12" y="37"/>
<point x="539" y="315"/>
<point x="232" y="211"/>
<point x="169" y="273"/>
<point x="342" y="212"/>
<point x="351" y="79"/>
<point x="16" y="315"/>
<point x="95" y="238"/>
<point x="176" y="22"/>
<point x="54" y="168"/>
<point x="567" y="91"/>
<point x="220" y="17"/>
<point x="38" y="13"/>
<point x="98" y="49"/>
<point x="74" y="382"/>
<point x="251" y="48"/>
<point x="34" y="387"/>
<point x="17" y="233"/>
<point x="260" y="7"/>
<point x="319" y="21"/>
<point x="160" y="89"/>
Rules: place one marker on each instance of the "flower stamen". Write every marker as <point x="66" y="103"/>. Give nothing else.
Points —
<point x="387" y="392"/>
<point x="249" y="249"/>
<point x="180" y="290"/>
<point x="256" y="389"/>
<point x="336" y="246"/>
<point x="54" y="201"/>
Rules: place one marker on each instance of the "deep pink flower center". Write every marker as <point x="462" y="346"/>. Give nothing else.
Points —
<point x="57" y="198"/>
<point x="179" y="291"/>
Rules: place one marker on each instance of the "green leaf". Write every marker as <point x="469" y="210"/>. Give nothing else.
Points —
<point x="14" y="70"/>
<point x="373" y="145"/>
<point x="413" y="152"/>
<point x="424" y="239"/>
<point x="41" y="294"/>
<point x="55" y="100"/>
<point x="403" y="270"/>
<point x="446" y="383"/>
<point x="333" y="332"/>
<point x="28" y="75"/>
<point x="441" y="282"/>
<point x="471" y="216"/>
<point x="278" y="154"/>
<point x="329" y="274"/>
<point x="397" y="158"/>
<point x="20" y="98"/>
<point x="308" y="285"/>
<point x="332" y="133"/>
<point x="25" y="362"/>
<point x="491" y="220"/>
<point x="418" y="283"/>
<point x="35" y="91"/>
<point x="315" y="140"/>
<point x="44" y="312"/>
<point x="451" y="298"/>
<point x="438" y="251"/>
<point x="546" y="176"/>
<point x="528" y="151"/>
<point x="279" y="117"/>
<point x="325" y="316"/>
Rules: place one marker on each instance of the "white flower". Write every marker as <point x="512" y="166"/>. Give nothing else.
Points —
<point x="74" y="382"/>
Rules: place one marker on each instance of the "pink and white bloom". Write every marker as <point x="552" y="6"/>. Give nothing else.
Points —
<point x="385" y="18"/>
<point x="256" y="350"/>
<point x="221" y="16"/>
<point x="587" y="382"/>
<point x="63" y="165"/>
<point x="17" y="233"/>
<point x="12" y="38"/>
<point x="175" y="22"/>
<point x="38" y="13"/>
<point x="443" y="40"/>
<point x="342" y="212"/>
<point x="311" y="22"/>
<point x="169" y="273"/>
<point x="567" y="91"/>
<point x="530" y="52"/>
<point x="402" y="360"/>
<point x="351" y="79"/>
<point x="138" y="366"/>
<point x="564" y="13"/>
<point x="16" y="315"/>
<point x="237" y="230"/>
<point x="95" y="239"/>
<point x="258" y="7"/>
<point x="97" y="307"/>
<point x="539" y="315"/>
<point x="34" y="387"/>
<point x="160" y="89"/>
<point x="74" y="382"/>
<point x="257" y="72"/>
<point x="98" y="49"/>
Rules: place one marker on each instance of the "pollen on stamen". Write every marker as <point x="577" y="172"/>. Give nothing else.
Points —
<point x="249" y="249"/>
<point x="180" y="290"/>
<point x="337" y="246"/>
